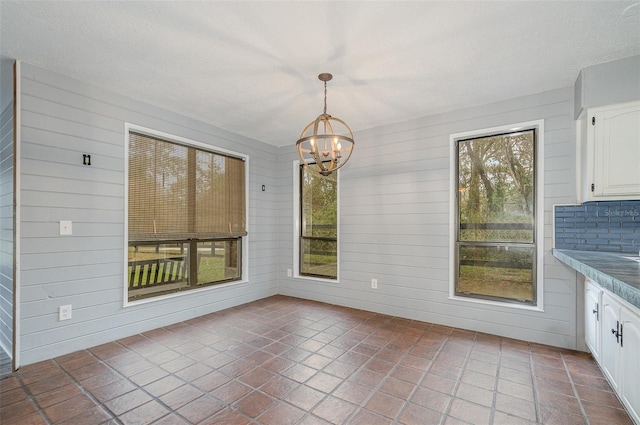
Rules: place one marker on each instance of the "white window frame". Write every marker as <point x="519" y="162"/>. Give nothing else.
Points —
<point x="297" y="224"/>
<point x="245" y="239"/>
<point x="539" y="211"/>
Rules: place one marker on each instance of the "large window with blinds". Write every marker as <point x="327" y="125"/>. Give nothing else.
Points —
<point x="186" y="216"/>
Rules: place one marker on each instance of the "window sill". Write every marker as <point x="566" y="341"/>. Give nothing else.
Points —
<point x="316" y="279"/>
<point x="516" y="306"/>
<point x="128" y="303"/>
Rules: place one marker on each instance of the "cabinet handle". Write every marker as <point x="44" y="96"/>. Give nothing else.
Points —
<point x="621" y="335"/>
<point x="617" y="332"/>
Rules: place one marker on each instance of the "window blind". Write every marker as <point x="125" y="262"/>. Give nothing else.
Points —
<point x="179" y="192"/>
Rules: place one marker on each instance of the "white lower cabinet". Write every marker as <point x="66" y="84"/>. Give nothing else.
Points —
<point x="593" y="300"/>
<point x="610" y="349"/>
<point x="612" y="333"/>
<point x="630" y="362"/>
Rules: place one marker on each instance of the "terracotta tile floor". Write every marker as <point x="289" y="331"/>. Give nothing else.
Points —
<point x="289" y="361"/>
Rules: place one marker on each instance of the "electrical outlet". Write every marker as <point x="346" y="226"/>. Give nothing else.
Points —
<point x="65" y="312"/>
<point x="374" y="283"/>
<point x="289" y="273"/>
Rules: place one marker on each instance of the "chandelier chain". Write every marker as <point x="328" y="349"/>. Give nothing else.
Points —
<point x="325" y="98"/>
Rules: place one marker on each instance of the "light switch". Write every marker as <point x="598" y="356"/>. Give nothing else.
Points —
<point x="65" y="228"/>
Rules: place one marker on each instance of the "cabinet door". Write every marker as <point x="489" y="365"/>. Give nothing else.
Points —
<point x="630" y="362"/>
<point x="592" y="318"/>
<point x="617" y="150"/>
<point x="610" y="346"/>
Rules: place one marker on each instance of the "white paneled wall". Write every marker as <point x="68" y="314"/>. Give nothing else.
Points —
<point x="394" y="219"/>
<point x="62" y="119"/>
<point x="6" y="229"/>
<point x="394" y="210"/>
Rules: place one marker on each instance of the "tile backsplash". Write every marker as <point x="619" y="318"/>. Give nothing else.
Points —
<point x="611" y="226"/>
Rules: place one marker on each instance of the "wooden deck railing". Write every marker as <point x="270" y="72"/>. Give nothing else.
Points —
<point x="161" y="271"/>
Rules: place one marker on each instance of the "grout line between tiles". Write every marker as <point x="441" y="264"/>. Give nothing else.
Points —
<point x="495" y="385"/>
<point x="575" y="391"/>
<point x="534" y="382"/>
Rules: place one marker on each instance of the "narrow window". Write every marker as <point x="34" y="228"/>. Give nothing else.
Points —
<point x="186" y="217"/>
<point x="495" y="246"/>
<point x="318" y="223"/>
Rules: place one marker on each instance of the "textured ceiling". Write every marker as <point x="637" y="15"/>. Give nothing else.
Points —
<point x="251" y="67"/>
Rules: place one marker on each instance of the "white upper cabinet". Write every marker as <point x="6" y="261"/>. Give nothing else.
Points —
<point x="609" y="140"/>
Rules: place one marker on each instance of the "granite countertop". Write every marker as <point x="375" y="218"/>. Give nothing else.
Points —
<point x="610" y="270"/>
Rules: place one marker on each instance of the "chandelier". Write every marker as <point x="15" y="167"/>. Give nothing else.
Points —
<point x="327" y="141"/>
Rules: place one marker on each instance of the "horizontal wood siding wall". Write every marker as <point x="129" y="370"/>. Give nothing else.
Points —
<point x="6" y="227"/>
<point x="61" y="120"/>
<point x="394" y="212"/>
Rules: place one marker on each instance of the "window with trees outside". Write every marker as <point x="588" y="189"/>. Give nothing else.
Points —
<point x="186" y="217"/>
<point x="318" y="243"/>
<point x="495" y="247"/>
